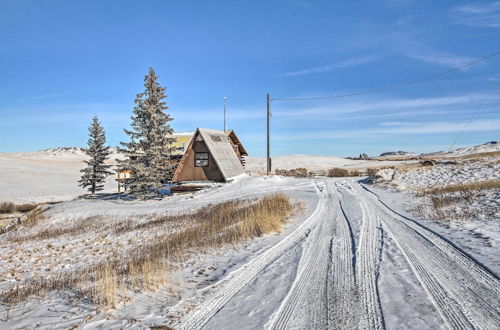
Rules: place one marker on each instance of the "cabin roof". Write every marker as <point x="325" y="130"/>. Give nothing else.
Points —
<point x="222" y="151"/>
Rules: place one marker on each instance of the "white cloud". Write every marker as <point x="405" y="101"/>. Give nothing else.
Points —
<point x="439" y="58"/>
<point x="388" y="129"/>
<point x="480" y="8"/>
<point x="382" y="107"/>
<point x="439" y="127"/>
<point x="420" y="51"/>
<point x="349" y="62"/>
<point x="481" y="15"/>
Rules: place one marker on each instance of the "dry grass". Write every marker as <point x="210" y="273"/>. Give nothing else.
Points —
<point x="480" y="155"/>
<point x="343" y="172"/>
<point x="147" y="266"/>
<point x="444" y="199"/>
<point x="338" y="172"/>
<point x="78" y="226"/>
<point x="35" y="216"/>
<point x="29" y="219"/>
<point x="295" y="172"/>
<point x="462" y="187"/>
<point x="105" y="288"/>
<point x="8" y="207"/>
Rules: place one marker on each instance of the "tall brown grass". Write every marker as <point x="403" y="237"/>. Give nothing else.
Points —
<point x="8" y="207"/>
<point x="77" y="226"/>
<point x="443" y="198"/>
<point x="462" y="187"/>
<point x="29" y="219"/>
<point x="147" y="266"/>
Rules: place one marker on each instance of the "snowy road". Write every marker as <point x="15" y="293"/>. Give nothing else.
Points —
<point x="336" y="278"/>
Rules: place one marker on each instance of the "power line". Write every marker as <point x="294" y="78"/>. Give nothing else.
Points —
<point x="411" y="82"/>
<point x="468" y="123"/>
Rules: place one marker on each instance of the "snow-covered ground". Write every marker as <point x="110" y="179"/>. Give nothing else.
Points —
<point x="313" y="163"/>
<point x="444" y="173"/>
<point x="51" y="175"/>
<point x="469" y="205"/>
<point x="492" y="146"/>
<point x="348" y="261"/>
<point x="470" y="215"/>
<point x="357" y="257"/>
<point x="44" y="176"/>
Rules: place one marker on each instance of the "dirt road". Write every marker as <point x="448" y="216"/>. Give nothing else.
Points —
<point x="345" y="247"/>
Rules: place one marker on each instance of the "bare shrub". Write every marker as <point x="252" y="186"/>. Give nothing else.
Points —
<point x="9" y="207"/>
<point x="338" y="172"/>
<point x="296" y="172"/>
<point x="371" y="171"/>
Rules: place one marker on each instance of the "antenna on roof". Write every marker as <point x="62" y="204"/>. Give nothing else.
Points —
<point x="225" y="127"/>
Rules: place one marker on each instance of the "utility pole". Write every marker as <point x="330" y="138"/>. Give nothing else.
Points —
<point x="225" y="127"/>
<point x="268" y="144"/>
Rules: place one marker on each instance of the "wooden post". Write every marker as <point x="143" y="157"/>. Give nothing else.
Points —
<point x="268" y="158"/>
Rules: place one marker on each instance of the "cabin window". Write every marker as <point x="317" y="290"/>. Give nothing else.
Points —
<point x="201" y="159"/>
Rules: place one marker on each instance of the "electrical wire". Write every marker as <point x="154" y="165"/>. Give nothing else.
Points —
<point x="404" y="84"/>
<point x="468" y="123"/>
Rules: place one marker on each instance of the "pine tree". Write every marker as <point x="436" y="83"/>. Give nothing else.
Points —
<point x="94" y="175"/>
<point x="151" y="143"/>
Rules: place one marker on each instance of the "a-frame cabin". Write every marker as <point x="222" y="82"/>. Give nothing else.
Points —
<point x="211" y="155"/>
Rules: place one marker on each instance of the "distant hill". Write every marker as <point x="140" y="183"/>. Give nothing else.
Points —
<point x="64" y="154"/>
<point x="397" y="153"/>
<point x="492" y="146"/>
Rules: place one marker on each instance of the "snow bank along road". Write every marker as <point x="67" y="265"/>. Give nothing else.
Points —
<point x="336" y="280"/>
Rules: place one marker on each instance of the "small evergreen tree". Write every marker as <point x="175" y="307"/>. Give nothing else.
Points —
<point x="148" y="154"/>
<point x="94" y="175"/>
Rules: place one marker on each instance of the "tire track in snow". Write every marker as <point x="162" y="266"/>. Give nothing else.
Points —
<point x="305" y="305"/>
<point x="228" y="287"/>
<point x="468" y="263"/>
<point x="347" y="288"/>
<point x="465" y="294"/>
<point x="342" y="292"/>
<point x="367" y="264"/>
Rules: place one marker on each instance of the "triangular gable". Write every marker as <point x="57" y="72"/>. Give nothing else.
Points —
<point x="236" y="141"/>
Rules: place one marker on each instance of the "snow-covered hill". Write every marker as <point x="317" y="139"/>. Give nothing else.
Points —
<point x="46" y="175"/>
<point x="397" y="153"/>
<point x="52" y="174"/>
<point x="63" y="153"/>
<point x="492" y="146"/>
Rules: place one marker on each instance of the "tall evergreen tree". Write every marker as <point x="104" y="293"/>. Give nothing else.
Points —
<point x="94" y="175"/>
<point x="151" y="143"/>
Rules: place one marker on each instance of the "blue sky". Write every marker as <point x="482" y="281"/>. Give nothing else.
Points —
<point x="61" y="62"/>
